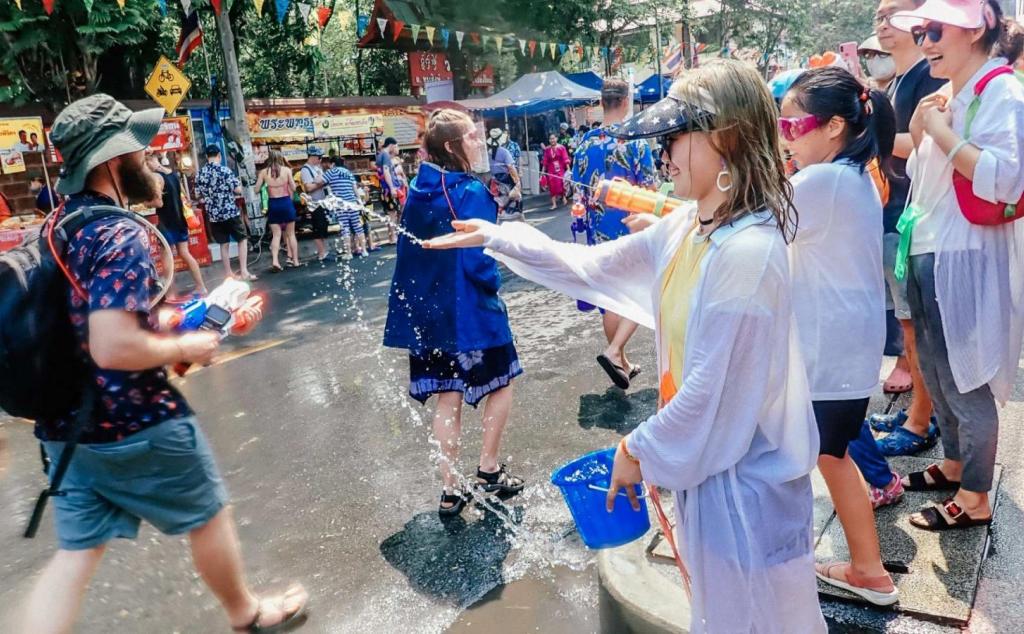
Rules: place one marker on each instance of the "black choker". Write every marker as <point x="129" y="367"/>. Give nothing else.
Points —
<point x="705" y="223"/>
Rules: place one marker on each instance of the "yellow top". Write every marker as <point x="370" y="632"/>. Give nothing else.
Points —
<point x="677" y="287"/>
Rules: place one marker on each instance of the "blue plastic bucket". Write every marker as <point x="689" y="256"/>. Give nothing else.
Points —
<point x="584" y="484"/>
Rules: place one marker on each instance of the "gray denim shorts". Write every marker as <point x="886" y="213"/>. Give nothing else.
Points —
<point x="164" y="474"/>
<point x="896" y="290"/>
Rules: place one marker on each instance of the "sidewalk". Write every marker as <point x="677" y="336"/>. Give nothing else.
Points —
<point x="949" y="582"/>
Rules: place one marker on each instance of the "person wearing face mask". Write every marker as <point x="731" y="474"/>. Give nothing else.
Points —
<point x="914" y="429"/>
<point x="444" y="308"/>
<point x="734" y="437"/>
<point x="46" y="199"/>
<point x="880" y="65"/>
<point x="963" y="278"/>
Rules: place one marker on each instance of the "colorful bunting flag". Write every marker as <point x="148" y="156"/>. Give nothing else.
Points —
<point x="87" y="3"/>
<point x="498" y="41"/>
<point x="533" y="47"/>
<point x="18" y="2"/>
<point x="120" y="3"/>
<point x="445" y="35"/>
<point x="483" y="40"/>
<point x="48" y="6"/>
<point x="304" y="10"/>
<point x="323" y="16"/>
<point x="606" y="51"/>
<point x="397" y="25"/>
<point x="362" y="23"/>
<point x="215" y="3"/>
<point x="551" y="47"/>
<point x="382" y="25"/>
<point x="522" y="47"/>
<point x="282" y="9"/>
<point x="259" y="6"/>
<point x="595" y="52"/>
<point x="415" y="28"/>
<point x="162" y="5"/>
<point x="458" y="38"/>
<point x="430" y="33"/>
<point x="185" y="4"/>
<point x="562" y="48"/>
<point x="474" y="37"/>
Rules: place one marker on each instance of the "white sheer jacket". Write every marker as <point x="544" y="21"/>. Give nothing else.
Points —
<point x="738" y="440"/>
<point x="979" y="270"/>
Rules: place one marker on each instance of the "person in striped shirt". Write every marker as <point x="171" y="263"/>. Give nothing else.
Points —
<point x="342" y="183"/>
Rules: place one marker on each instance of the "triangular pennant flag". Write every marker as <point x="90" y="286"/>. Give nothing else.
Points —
<point x="606" y="51"/>
<point x="87" y="3"/>
<point x="162" y="5"/>
<point x="362" y="22"/>
<point x="522" y="47"/>
<point x="18" y="2"/>
<point x="562" y="48"/>
<point x="483" y="39"/>
<point x="551" y="47"/>
<point x="474" y="37"/>
<point x="498" y="41"/>
<point x="48" y="6"/>
<point x="533" y="47"/>
<point x="259" y="6"/>
<point x="303" y="10"/>
<point x="458" y="38"/>
<point x="185" y="4"/>
<point x="397" y="25"/>
<point x="595" y="52"/>
<point x="445" y="36"/>
<point x="215" y="3"/>
<point x="382" y="25"/>
<point x="430" y="33"/>
<point x="323" y="16"/>
<point x="415" y="32"/>
<point x="282" y="10"/>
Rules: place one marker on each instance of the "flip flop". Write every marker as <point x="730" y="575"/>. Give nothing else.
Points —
<point x="289" y="620"/>
<point x="616" y="373"/>
<point x="946" y="516"/>
<point x="635" y="371"/>
<point x="858" y="585"/>
<point x="899" y="381"/>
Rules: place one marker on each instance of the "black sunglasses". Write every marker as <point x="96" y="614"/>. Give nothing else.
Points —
<point x="933" y="32"/>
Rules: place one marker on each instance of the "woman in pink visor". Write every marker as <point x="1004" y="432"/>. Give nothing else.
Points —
<point x="965" y="281"/>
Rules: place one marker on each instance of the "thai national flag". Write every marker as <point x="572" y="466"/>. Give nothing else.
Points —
<point x="191" y="37"/>
<point x="673" y="58"/>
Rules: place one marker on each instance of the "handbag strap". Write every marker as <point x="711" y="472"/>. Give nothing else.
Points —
<point x="972" y="108"/>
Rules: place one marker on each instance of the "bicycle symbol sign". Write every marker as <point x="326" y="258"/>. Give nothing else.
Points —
<point x="167" y="85"/>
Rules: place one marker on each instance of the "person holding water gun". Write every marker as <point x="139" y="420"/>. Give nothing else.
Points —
<point x="598" y="157"/>
<point x="734" y="437"/>
<point x="445" y="310"/>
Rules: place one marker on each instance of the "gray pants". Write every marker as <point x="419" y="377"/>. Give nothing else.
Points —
<point x="969" y="422"/>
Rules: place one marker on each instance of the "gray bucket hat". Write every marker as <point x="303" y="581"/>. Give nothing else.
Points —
<point x="96" y="129"/>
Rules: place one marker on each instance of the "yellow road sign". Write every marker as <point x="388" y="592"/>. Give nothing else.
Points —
<point x="167" y="85"/>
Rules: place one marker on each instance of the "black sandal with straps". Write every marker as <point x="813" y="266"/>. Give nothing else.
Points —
<point x="501" y="482"/>
<point x="455" y="503"/>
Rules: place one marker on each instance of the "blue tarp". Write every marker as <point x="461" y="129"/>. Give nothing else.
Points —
<point x="647" y="90"/>
<point x="589" y="79"/>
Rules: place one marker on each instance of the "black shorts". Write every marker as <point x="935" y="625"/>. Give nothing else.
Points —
<point x="320" y="223"/>
<point x="839" y="423"/>
<point x="227" y="230"/>
<point x="476" y="373"/>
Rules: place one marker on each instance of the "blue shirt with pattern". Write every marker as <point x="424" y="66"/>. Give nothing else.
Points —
<point x="600" y="156"/>
<point x="514" y="149"/>
<point x="110" y="259"/>
<point x="216" y="185"/>
<point x="342" y="183"/>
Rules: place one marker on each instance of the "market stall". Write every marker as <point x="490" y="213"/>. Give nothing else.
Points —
<point x="25" y="180"/>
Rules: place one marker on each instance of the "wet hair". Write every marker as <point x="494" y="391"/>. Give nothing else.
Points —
<point x="390" y="141"/>
<point x="447" y="127"/>
<point x="1011" y="44"/>
<point x="870" y="119"/>
<point x="745" y="133"/>
<point x="613" y="93"/>
<point x="276" y="162"/>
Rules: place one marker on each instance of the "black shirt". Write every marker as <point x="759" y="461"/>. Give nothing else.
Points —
<point x="905" y="91"/>
<point x="169" y="212"/>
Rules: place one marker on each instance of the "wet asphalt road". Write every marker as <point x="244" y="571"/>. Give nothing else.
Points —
<point x="329" y="468"/>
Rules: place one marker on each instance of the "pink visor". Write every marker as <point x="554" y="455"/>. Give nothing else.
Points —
<point x="966" y="14"/>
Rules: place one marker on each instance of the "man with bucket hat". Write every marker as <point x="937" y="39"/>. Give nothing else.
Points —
<point x="140" y="454"/>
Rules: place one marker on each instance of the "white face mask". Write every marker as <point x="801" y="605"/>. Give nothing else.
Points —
<point x="881" y="67"/>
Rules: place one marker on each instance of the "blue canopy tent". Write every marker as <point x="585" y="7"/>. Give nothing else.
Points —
<point x="653" y="88"/>
<point x="588" y="79"/>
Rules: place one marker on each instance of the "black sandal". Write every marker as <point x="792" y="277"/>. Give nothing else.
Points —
<point x="289" y="620"/>
<point x="500" y="482"/>
<point x="918" y="482"/>
<point x="634" y="372"/>
<point x="615" y="372"/>
<point x="457" y="502"/>
<point x="933" y="518"/>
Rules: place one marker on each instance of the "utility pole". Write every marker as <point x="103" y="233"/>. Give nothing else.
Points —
<point x="239" y="124"/>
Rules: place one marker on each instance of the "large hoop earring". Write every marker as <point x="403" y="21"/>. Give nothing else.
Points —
<point x="718" y="181"/>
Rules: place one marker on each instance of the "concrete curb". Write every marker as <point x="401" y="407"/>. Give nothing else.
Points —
<point x="642" y="595"/>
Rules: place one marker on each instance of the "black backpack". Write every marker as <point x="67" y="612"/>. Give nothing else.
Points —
<point x="44" y="374"/>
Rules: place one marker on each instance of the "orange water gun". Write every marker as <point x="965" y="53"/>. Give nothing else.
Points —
<point x="620" y="194"/>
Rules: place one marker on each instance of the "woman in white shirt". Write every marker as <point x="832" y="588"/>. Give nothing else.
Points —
<point x="965" y="281"/>
<point x="833" y="126"/>
<point x="734" y="438"/>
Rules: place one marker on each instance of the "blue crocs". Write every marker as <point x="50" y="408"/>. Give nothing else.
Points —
<point x="902" y="442"/>
<point x="887" y="422"/>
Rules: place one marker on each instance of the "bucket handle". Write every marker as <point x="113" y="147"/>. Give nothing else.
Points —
<point x="622" y="492"/>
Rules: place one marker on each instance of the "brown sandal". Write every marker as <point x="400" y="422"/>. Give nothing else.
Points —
<point x="946" y="516"/>
<point x="917" y="481"/>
